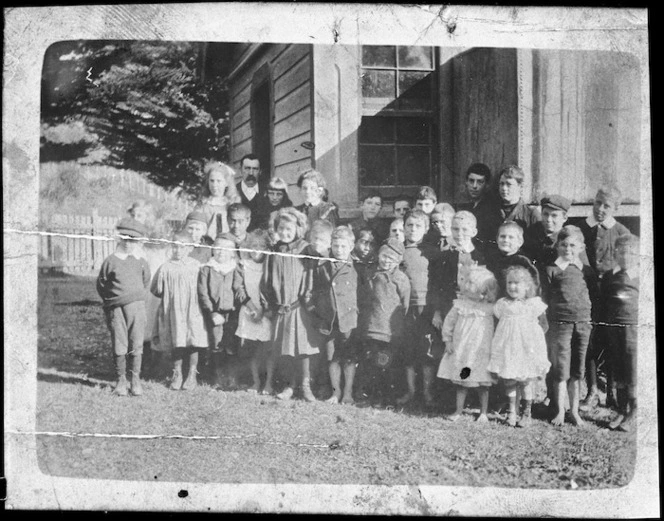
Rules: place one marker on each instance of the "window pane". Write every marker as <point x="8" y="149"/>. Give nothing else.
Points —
<point x="379" y="55"/>
<point x="377" y="165"/>
<point x="415" y="58"/>
<point x="413" y="165"/>
<point x="378" y="84"/>
<point x="376" y="130"/>
<point x="415" y="90"/>
<point x="413" y="131"/>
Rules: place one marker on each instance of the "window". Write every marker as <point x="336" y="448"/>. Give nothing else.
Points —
<point x="396" y="132"/>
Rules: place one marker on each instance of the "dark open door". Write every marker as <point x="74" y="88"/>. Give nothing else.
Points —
<point x="261" y="122"/>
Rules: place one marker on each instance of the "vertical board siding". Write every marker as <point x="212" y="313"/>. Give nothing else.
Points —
<point x="588" y="114"/>
<point x="485" y="111"/>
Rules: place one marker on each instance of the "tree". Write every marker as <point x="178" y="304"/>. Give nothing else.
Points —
<point x="135" y="105"/>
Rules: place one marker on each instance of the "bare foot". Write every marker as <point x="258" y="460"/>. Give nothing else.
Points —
<point x="405" y="399"/>
<point x="334" y="399"/>
<point x="575" y="419"/>
<point x="628" y="424"/>
<point x="558" y="419"/>
<point x="482" y="418"/>
<point x="348" y="400"/>
<point x="286" y="394"/>
<point x="511" y="419"/>
<point x="453" y="417"/>
<point x="616" y="422"/>
<point x="267" y="390"/>
<point x="525" y="421"/>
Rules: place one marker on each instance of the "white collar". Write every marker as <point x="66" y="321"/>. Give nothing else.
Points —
<point x="633" y="273"/>
<point x="563" y="264"/>
<point x="250" y="192"/>
<point x="468" y="250"/>
<point x="608" y="223"/>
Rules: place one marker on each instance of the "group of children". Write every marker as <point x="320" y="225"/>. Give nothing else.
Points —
<point x="385" y="302"/>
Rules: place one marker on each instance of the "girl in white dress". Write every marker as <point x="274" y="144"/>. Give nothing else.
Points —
<point x="518" y="351"/>
<point x="467" y="332"/>
<point x="254" y="326"/>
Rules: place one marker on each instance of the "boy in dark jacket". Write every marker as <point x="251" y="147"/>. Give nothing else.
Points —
<point x="122" y="284"/>
<point x="385" y="303"/>
<point x="334" y="308"/>
<point x="425" y="349"/>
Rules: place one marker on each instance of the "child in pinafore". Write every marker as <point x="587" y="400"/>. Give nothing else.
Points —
<point x="179" y="319"/>
<point x="122" y="284"/>
<point x="467" y="332"/>
<point x="518" y="351"/>
<point x="286" y="286"/>
<point x="216" y="297"/>
<point x="254" y="326"/>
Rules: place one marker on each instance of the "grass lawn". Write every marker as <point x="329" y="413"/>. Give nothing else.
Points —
<point x="244" y="438"/>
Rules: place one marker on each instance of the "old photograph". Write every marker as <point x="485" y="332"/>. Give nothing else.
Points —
<point x="335" y="259"/>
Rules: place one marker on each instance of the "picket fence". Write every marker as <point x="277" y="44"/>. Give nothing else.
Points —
<point x="81" y="255"/>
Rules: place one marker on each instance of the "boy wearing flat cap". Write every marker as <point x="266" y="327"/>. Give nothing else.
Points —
<point x="122" y="284"/>
<point x="541" y="237"/>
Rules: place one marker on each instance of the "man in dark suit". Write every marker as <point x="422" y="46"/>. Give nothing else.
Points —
<point x="250" y="193"/>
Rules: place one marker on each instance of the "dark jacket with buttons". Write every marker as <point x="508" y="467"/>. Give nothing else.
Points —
<point x="334" y="296"/>
<point x="215" y="290"/>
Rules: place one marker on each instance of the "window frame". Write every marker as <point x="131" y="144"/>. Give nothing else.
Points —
<point x="375" y="110"/>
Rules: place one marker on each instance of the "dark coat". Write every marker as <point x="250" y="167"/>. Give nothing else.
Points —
<point x="215" y="291"/>
<point x="334" y="296"/>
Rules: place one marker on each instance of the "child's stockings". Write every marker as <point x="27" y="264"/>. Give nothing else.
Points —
<point x="136" y="361"/>
<point x="121" y="371"/>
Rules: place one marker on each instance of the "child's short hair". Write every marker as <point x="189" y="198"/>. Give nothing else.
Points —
<point x="479" y="169"/>
<point x="610" y="193"/>
<point x="513" y="226"/>
<point x="182" y="235"/>
<point x="512" y="172"/>
<point x="229" y="176"/>
<point x="314" y="175"/>
<point x="465" y="215"/>
<point x="321" y="226"/>
<point x="523" y="274"/>
<point x="370" y="194"/>
<point x="418" y="215"/>
<point x="426" y="192"/>
<point x="345" y="233"/>
<point x="403" y="197"/>
<point x="240" y="208"/>
<point x="484" y="280"/>
<point x="570" y="231"/>
<point x="628" y="241"/>
<point x="365" y="230"/>
<point x="258" y="239"/>
<point x="225" y="237"/>
<point x="445" y="209"/>
<point x="277" y="183"/>
<point x="291" y="215"/>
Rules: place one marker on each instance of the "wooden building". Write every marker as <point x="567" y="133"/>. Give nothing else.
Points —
<point x="395" y="117"/>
